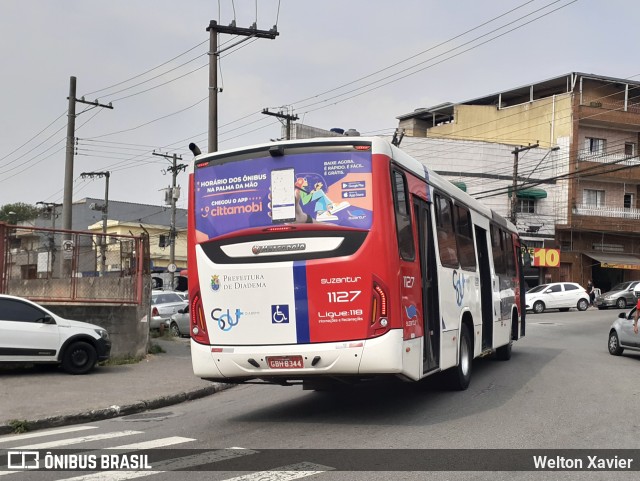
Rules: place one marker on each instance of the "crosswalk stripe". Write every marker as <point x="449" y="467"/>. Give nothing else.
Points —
<point x="79" y="440"/>
<point x="176" y="464"/>
<point x="285" y="473"/>
<point x="155" y="443"/>
<point x="19" y="437"/>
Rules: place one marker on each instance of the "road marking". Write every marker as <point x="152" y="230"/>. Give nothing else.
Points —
<point x="285" y="473"/>
<point x="177" y="464"/>
<point x="20" y="437"/>
<point x="155" y="443"/>
<point x="83" y="439"/>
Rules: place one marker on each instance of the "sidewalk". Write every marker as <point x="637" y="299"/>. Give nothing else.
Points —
<point x="46" y="397"/>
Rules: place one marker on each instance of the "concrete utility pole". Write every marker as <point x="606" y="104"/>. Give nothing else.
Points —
<point x="284" y="116"/>
<point x="105" y="214"/>
<point x="213" y="30"/>
<point x="174" y="169"/>
<point x="68" y="165"/>
<point x="514" y="189"/>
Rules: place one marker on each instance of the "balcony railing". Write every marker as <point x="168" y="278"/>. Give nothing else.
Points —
<point x="613" y="212"/>
<point x="617" y="158"/>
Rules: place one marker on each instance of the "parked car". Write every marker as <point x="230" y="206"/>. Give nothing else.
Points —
<point x="619" y="296"/>
<point x="621" y="335"/>
<point x="179" y="323"/>
<point x="557" y="295"/>
<point x="164" y="304"/>
<point x="29" y="333"/>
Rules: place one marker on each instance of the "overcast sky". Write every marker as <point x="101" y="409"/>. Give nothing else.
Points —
<point x="351" y="64"/>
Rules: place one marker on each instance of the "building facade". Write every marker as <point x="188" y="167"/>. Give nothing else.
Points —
<point x="591" y="126"/>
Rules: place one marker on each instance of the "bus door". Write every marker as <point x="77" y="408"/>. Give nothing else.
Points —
<point x="429" y="276"/>
<point x="486" y="289"/>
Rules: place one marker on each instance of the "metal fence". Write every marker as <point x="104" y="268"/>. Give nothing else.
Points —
<point x="72" y="266"/>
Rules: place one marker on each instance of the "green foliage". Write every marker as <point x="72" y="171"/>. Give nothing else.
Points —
<point x="156" y="349"/>
<point x="119" y="361"/>
<point x="19" y="426"/>
<point x="18" y="212"/>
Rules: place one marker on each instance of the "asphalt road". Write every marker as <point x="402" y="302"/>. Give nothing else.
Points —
<point x="560" y="390"/>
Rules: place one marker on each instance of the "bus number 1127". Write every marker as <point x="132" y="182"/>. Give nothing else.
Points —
<point x="343" y="296"/>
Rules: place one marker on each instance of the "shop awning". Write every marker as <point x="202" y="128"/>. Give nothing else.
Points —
<point x="460" y="185"/>
<point x="531" y="193"/>
<point x="615" y="261"/>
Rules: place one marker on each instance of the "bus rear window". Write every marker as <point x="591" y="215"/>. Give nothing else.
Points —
<point x="312" y="187"/>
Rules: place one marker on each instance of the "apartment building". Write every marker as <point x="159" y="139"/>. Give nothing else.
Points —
<point x="590" y="124"/>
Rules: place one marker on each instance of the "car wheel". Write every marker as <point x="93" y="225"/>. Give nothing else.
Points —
<point x="459" y="377"/>
<point x="614" y="344"/>
<point x="538" y="307"/>
<point x="175" y="330"/>
<point x="583" y="305"/>
<point x="621" y="303"/>
<point x="79" y="358"/>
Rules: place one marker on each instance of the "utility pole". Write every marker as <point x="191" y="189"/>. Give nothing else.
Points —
<point x="68" y="166"/>
<point x="174" y="194"/>
<point x="105" y="214"/>
<point x="284" y="116"/>
<point x="213" y="30"/>
<point x="514" y="189"/>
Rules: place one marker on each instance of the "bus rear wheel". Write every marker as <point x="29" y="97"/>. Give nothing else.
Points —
<point x="459" y="377"/>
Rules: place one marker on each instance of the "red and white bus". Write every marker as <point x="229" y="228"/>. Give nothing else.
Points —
<point x="343" y="259"/>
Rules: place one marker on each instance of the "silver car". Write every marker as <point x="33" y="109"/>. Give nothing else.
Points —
<point x="621" y="335"/>
<point x="619" y="296"/>
<point x="179" y="323"/>
<point x="164" y="304"/>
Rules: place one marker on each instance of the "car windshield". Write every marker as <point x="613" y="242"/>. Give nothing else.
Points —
<point x="539" y="288"/>
<point x="621" y="287"/>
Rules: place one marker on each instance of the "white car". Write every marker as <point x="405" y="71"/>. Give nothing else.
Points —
<point x="557" y="295"/>
<point x="29" y="333"/>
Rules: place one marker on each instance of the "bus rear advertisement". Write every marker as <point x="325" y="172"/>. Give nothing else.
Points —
<point x="342" y="259"/>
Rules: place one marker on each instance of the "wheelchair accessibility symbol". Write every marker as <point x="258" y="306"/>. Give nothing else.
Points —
<point x="279" y="314"/>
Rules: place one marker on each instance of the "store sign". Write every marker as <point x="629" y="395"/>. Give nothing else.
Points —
<point x="541" y="257"/>
<point x="611" y="265"/>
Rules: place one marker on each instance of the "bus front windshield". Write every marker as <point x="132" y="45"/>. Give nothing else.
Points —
<point x="333" y="187"/>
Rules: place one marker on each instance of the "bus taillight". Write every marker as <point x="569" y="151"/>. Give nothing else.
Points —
<point x="379" y="311"/>
<point x="198" y="323"/>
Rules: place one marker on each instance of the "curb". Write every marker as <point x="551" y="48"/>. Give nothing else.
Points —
<point x="117" y="411"/>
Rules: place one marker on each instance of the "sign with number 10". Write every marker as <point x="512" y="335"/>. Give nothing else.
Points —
<point x="546" y="257"/>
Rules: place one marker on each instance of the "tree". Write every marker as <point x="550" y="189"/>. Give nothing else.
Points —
<point x="18" y="212"/>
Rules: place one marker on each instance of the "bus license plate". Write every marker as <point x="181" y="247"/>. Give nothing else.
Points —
<point x="285" y="362"/>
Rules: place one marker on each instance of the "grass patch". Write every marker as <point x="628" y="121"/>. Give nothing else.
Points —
<point x="155" y="349"/>
<point x="120" y="361"/>
<point x="19" y="426"/>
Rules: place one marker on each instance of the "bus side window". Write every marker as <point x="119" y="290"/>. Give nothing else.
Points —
<point x="446" y="233"/>
<point x="498" y="250"/>
<point x="404" y="229"/>
<point x="464" y="236"/>
<point x="509" y="254"/>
